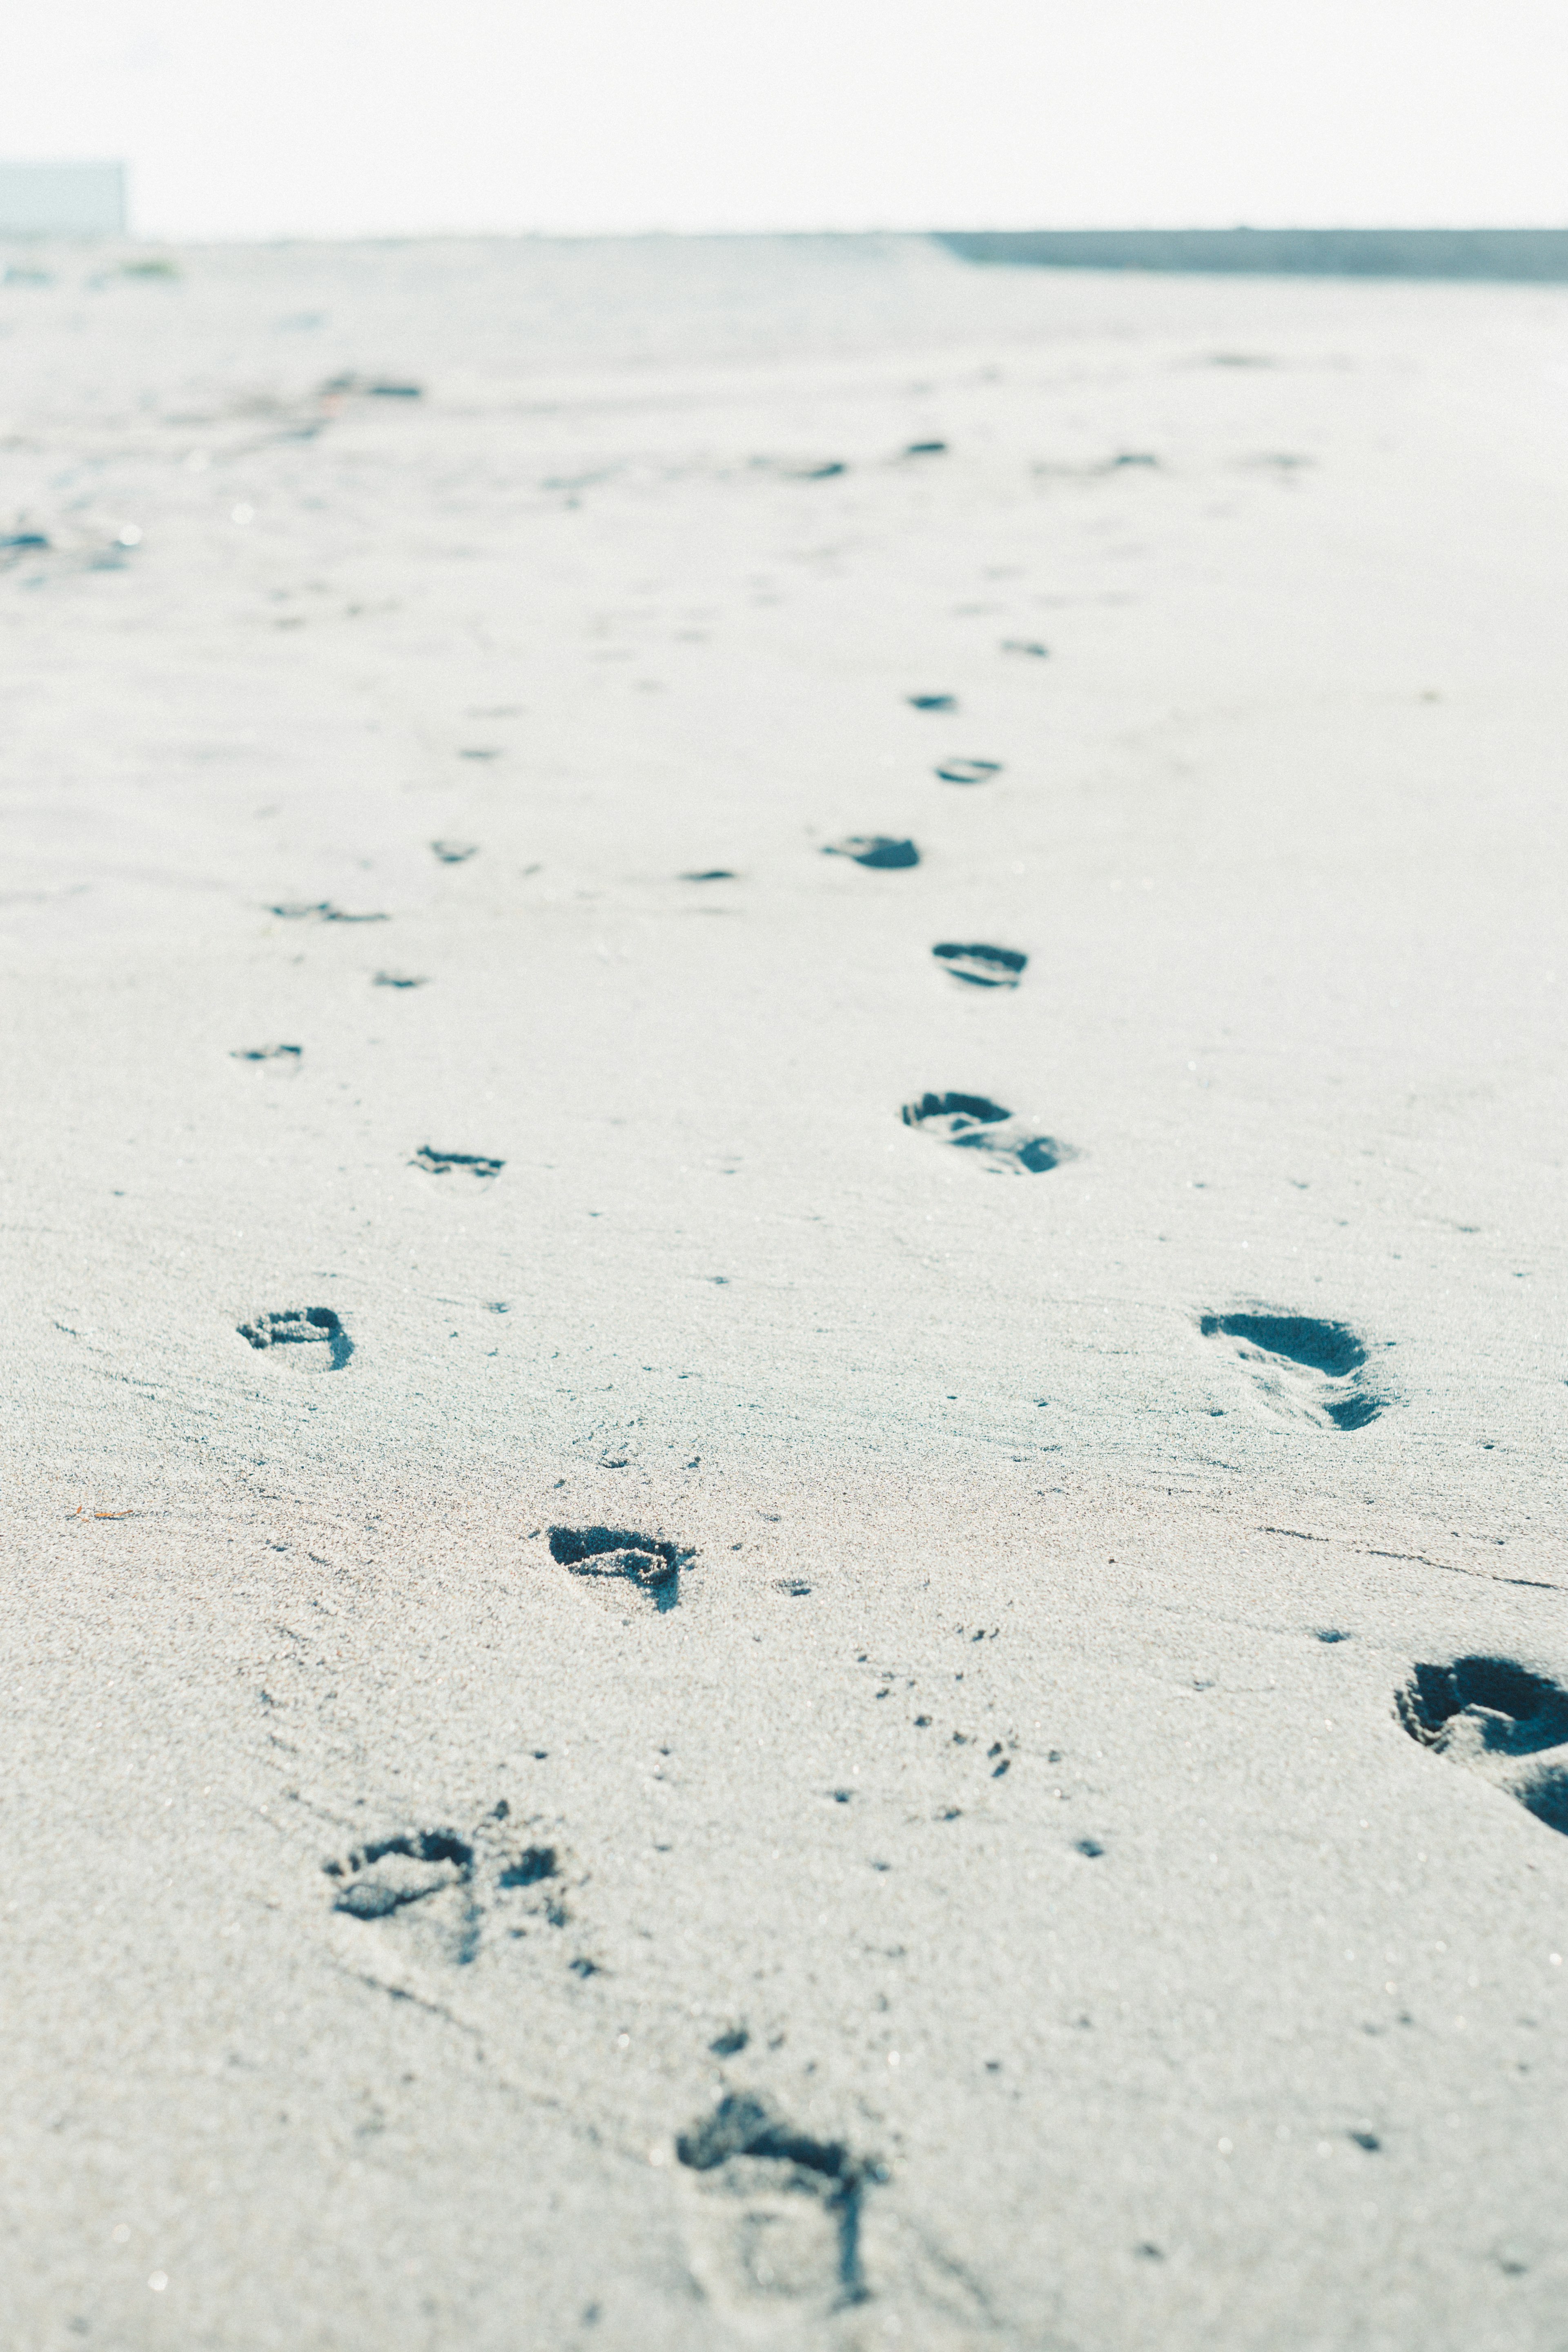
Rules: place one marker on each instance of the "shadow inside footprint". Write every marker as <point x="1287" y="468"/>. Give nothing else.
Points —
<point x="1498" y="1719"/>
<point x="974" y="1123"/>
<point x="792" y="2203"/>
<point x="1302" y="1369"/>
<point x="652" y="1563"/>
<point x="443" y="1163"/>
<point x="981" y="967"/>
<point x="306" y="1338"/>
<point x="875" y="849"/>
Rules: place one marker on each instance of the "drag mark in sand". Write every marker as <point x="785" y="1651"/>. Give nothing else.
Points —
<point x="651" y="1563"/>
<point x="974" y="1123"/>
<point x="981" y="966"/>
<point x="443" y="1163"/>
<point x="878" y="850"/>
<point x="1301" y="1368"/>
<point x="310" y="1339"/>
<point x="1497" y="1719"/>
<point x="781" y="2210"/>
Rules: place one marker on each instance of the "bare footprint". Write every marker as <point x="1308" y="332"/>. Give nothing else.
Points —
<point x="969" y="771"/>
<point x="981" y="967"/>
<point x="1500" y="1721"/>
<point x="319" y="910"/>
<point x="1299" y="1369"/>
<point x="651" y="1564"/>
<point x="290" y="1055"/>
<point x="454" y="853"/>
<point x="974" y="1123"/>
<point x="303" y="1339"/>
<point x="777" y="2214"/>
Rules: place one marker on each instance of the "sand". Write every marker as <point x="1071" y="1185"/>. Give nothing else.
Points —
<point x="945" y="1865"/>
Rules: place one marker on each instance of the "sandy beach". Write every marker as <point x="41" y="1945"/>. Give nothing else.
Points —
<point x="786" y="1368"/>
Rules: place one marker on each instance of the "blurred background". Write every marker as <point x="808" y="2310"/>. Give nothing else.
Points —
<point x="260" y="119"/>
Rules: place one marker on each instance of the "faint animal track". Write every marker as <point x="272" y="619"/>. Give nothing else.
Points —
<point x="983" y="967"/>
<point x="452" y="1884"/>
<point x="875" y="849"/>
<point x="781" y="2210"/>
<point x="320" y="910"/>
<point x="267" y="1053"/>
<point x="932" y="701"/>
<point x="652" y="1563"/>
<point x="1302" y="1369"/>
<point x="973" y="1124"/>
<point x="1507" y="1724"/>
<point x="454" y="853"/>
<point x="442" y="1163"/>
<point x="398" y="980"/>
<point x="311" y="1338"/>
<point x="969" y="771"/>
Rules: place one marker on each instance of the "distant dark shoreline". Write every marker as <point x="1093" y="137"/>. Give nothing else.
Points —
<point x="1524" y="255"/>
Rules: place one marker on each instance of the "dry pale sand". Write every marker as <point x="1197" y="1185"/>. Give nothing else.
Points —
<point x="996" y="1792"/>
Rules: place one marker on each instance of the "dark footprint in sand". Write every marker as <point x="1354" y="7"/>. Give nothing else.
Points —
<point x="1301" y="1368"/>
<point x="712" y="873"/>
<point x="454" y="853"/>
<point x="874" y="849"/>
<point x="925" y="449"/>
<point x="444" y="1163"/>
<point x="289" y="1053"/>
<point x="1026" y="645"/>
<point x="320" y="910"/>
<point x="386" y="1876"/>
<point x="780" y="2211"/>
<point x="454" y="1885"/>
<point x="972" y="1123"/>
<point x="306" y="1338"/>
<point x="932" y="701"/>
<point x="398" y="980"/>
<point x="969" y="771"/>
<point x="981" y="967"/>
<point x="1500" y="1721"/>
<point x="651" y="1563"/>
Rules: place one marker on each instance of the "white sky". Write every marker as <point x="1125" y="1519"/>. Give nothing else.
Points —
<point x="263" y="118"/>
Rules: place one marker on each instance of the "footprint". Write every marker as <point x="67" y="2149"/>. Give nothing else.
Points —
<point x="975" y="1124"/>
<point x="442" y="1163"/>
<point x="1301" y="1368"/>
<point x="969" y="771"/>
<point x="983" y="967"/>
<point x="874" y="849"/>
<point x="398" y="980"/>
<point x="1507" y="1724"/>
<point x="384" y="1877"/>
<point x="932" y="701"/>
<point x="454" y="853"/>
<point x="267" y="1054"/>
<point x="1026" y="645"/>
<point x="712" y="873"/>
<point x="310" y="1339"/>
<point x="453" y="1885"/>
<point x="652" y="1563"/>
<point x="780" y="2212"/>
<point x="926" y="449"/>
<point x="320" y="910"/>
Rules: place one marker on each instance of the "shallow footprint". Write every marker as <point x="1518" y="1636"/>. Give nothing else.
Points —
<point x="289" y="1053"/>
<point x="875" y="849"/>
<point x="306" y="1338"/>
<point x="454" y="853"/>
<point x="1301" y="1370"/>
<point x="974" y="1123"/>
<point x="443" y="1163"/>
<point x="1500" y="1721"/>
<point x="379" y="1879"/>
<point x="778" y="2223"/>
<point x="651" y="1563"/>
<point x="969" y="771"/>
<point x="932" y="701"/>
<point x="983" y="967"/>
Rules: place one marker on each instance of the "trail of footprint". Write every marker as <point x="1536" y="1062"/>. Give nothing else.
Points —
<point x="969" y="771"/>
<point x="981" y="967"/>
<point x="782" y="2210"/>
<point x="304" y="1338"/>
<point x="651" y="1563"/>
<point x="1301" y="1368"/>
<point x="443" y="1163"/>
<point x="876" y="849"/>
<point x="1500" y="1721"/>
<point x="974" y="1123"/>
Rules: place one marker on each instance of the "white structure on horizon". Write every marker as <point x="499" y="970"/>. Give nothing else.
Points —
<point x="62" y="199"/>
